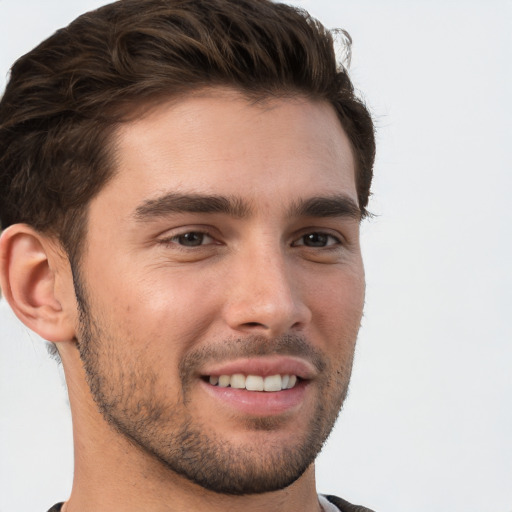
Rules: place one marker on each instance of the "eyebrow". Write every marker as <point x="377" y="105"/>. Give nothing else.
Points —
<point x="329" y="206"/>
<point x="190" y="203"/>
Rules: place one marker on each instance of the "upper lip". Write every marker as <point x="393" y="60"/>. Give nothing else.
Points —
<point x="263" y="366"/>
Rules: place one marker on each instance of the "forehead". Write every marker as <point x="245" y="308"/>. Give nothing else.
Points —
<point x="219" y="142"/>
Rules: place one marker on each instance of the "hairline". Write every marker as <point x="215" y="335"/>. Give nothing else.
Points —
<point x="133" y="110"/>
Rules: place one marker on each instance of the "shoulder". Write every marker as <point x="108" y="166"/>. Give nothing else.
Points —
<point x="56" y="508"/>
<point x="345" y="506"/>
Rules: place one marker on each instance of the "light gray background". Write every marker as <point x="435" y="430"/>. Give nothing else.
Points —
<point x="428" y="423"/>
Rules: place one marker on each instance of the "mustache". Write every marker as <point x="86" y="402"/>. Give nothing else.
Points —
<point x="251" y="346"/>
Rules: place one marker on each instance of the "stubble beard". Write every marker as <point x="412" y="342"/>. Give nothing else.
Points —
<point x="129" y="396"/>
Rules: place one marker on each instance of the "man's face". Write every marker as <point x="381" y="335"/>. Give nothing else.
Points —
<point x="225" y="250"/>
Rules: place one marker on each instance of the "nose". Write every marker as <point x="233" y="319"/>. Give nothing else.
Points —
<point x="264" y="297"/>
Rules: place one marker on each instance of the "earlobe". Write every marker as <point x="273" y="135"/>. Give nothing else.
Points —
<point x="28" y="273"/>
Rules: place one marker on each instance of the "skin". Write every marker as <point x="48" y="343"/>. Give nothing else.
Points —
<point x="265" y="279"/>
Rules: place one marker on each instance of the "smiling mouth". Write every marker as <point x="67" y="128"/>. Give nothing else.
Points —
<point x="270" y="383"/>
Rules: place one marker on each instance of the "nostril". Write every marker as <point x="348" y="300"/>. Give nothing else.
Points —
<point x="254" y="324"/>
<point x="272" y="317"/>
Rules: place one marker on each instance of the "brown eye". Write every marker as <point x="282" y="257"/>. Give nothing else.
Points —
<point x="189" y="239"/>
<point x="192" y="239"/>
<point x="317" y="240"/>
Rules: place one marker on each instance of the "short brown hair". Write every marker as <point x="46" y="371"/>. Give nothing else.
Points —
<point x="65" y="97"/>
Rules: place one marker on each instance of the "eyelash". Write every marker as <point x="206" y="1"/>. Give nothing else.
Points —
<point x="319" y="234"/>
<point x="175" y="240"/>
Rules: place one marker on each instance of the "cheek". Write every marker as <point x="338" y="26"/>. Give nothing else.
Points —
<point x="338" y="307"/>
<point x="168" y="313"/>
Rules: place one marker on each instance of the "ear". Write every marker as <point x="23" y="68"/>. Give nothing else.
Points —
<point x="37" y="282"/>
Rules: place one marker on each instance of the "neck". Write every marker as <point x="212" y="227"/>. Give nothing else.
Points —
<point x="113" y="475"/>
<point x="126" y="487"/>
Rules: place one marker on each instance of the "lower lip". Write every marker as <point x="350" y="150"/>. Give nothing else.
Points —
<point x="259" y="403"/>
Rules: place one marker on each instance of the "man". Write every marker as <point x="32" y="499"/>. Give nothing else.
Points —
<point x="182" y="184"/>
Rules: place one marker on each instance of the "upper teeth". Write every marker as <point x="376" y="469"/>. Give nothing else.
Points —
<point x="254" y="382"/>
